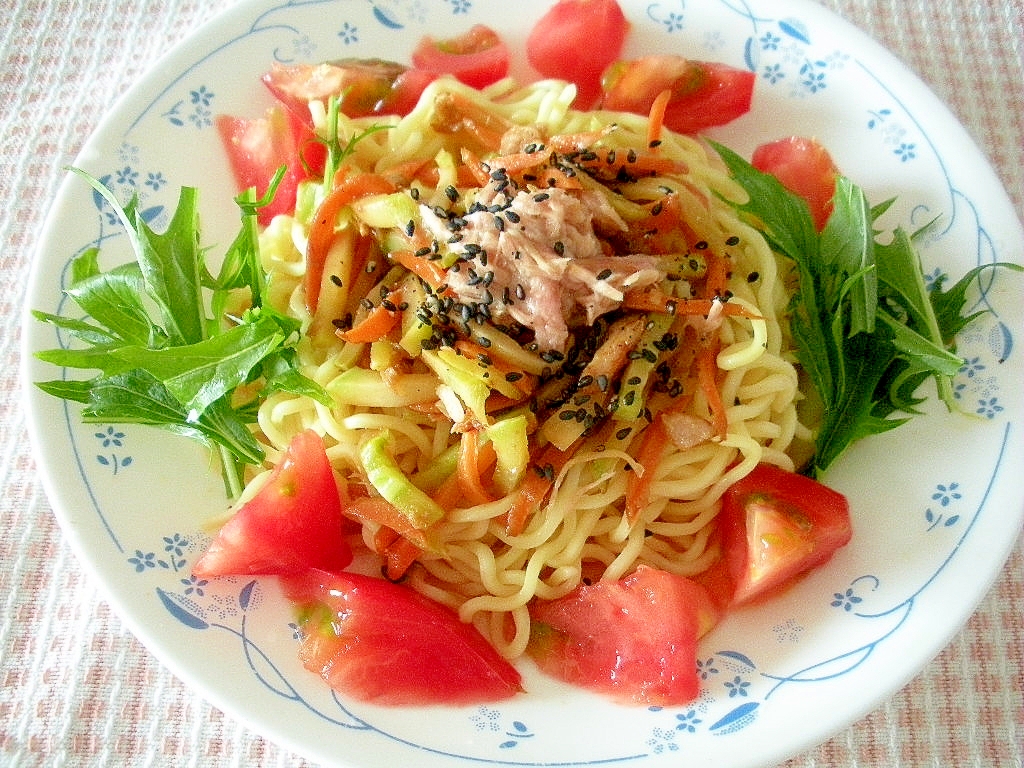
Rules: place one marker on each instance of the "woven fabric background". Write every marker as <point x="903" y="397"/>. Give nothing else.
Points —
<point x="76" y="689"/>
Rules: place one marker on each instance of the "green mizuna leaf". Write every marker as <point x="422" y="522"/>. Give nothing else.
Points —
<point x="155" y="332"/>
<point x="868" y="330"/>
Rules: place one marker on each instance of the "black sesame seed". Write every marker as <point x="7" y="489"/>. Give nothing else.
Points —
<point x="604" y="274"/>
<point x="337" y="281"/>
<point x="540" y="197"/>
<point x="451" y="193"/>
<point x="734" y="240"/>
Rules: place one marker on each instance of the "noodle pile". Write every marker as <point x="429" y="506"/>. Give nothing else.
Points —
<point x="475" y="559"/>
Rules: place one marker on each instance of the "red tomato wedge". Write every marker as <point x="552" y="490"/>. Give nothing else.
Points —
<point x="257" y="147"/>
<point x="382" y="642"/>
<point x="703" y="94"/>
<point x="776" y="525"/>
<point x="478" y="57"/>
<point x="634" y="640"/>
<point x="805" y="168"/>
<point x="293" y="523"/>
<point x="575" y="41"/>
<point x="364" y="86"/>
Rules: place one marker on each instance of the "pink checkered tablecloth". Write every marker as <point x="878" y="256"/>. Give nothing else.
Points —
<point x="76" y="689"/>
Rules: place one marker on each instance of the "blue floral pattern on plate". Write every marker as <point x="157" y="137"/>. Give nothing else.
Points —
<point x="763" y="668"/>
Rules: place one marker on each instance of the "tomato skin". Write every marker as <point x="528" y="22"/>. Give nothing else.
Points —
<point x="478" y="57"/>
<point x="805" y="168"/>
<point x="575" y="40"/>
<point x="294" y="522"/>
<point x="704" y="94"/>
<point x="634" y="639"/>
<point x="256" y="148"/>
<point x="385" y="643"/>
<point x="777" y="525"/>
<point x="364" y="86"/>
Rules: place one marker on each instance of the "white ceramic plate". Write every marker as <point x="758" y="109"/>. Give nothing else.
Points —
<point x="937" y="504"/>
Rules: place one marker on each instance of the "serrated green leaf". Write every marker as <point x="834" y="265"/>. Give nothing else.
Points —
<point x="170" y="264"/>
<point x="866" y="329"/>
<point x="113" y="299"/>
<point x="847" y="248"/>
<point x="80" y="329"/>
<point x="949" y="304"/>
<point x="136" y="397"/>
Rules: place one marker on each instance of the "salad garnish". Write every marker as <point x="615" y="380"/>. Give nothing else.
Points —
<point x="868" y="328"/>
<point x="162" y="333"/>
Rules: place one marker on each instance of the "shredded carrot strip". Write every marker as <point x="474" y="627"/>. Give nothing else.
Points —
<point x="375" y="326"/>
<point x="321" y="231"/>
<point x="372" y="509"/>
<point x="577" y="142"/>
<point x="656" y="121"/>
<point x="653" y="299"/>
<point x="652" y="447"/>
<point x="515" y="164"/>
<point x="402" y="174"/>
<point x="430" y="272"/>
<point x="535" y="487"/>
<point x="399" y="555"/>
<point x="653" y="444"/>
<point x="528" y="498"/>
<point x="449" y="494"/>
<point x="610" y="165"/>
<point x="473" y="458"/>
<point x="550" y="176"/>
<point x="707" y="377"/>
<point x="383" y="537"/>
<point x="472" y="162"/>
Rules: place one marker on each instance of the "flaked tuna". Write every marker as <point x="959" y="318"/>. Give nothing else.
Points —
<point x="536" y="258"/>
